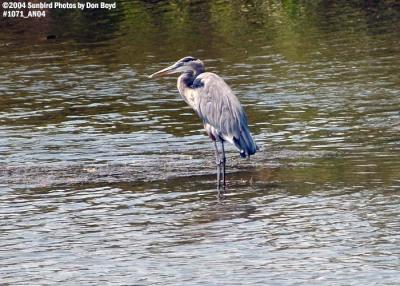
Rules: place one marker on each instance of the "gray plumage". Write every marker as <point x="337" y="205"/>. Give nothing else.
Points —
<point x="214" y="102"/>
<point x="223" y="116"/>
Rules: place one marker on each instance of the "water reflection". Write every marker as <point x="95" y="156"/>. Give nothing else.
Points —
<point x="107" y="175"/>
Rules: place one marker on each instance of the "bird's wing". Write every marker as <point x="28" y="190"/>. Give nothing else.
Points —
<point x="217" y="106"/>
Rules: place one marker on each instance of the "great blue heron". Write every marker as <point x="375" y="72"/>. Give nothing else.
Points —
<point x="214" y="102"/>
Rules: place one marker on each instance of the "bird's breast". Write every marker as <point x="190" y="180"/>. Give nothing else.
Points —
<point x="188" y="94"/>
<point x="190" y="98"/>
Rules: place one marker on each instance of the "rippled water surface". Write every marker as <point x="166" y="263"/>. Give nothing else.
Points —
<point x="107" y="177"/>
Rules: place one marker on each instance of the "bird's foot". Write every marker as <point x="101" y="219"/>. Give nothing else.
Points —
<point x="221" y="195"/>
<point x="221" y="191"/>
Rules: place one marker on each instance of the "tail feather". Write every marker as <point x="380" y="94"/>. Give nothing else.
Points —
<point x="245" y="143"/>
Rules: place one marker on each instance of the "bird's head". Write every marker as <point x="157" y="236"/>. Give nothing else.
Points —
<point x="186" y="64"/>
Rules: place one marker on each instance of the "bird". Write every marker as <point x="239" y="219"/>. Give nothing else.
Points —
<point x="223" y="116"/>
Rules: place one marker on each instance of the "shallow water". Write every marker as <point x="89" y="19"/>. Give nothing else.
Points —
<point x="107" y="176"/>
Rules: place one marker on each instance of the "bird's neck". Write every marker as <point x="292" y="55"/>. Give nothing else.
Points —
<point x="186" y="80"/>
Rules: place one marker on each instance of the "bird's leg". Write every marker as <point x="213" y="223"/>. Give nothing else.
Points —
<point x="223" y="165"/>
<point x="218" y="162"/>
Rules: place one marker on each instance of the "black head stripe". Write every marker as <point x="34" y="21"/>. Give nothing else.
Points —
<point x="188" y="59"/>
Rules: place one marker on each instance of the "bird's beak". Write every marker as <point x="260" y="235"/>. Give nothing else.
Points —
<point x="166" y="71"/>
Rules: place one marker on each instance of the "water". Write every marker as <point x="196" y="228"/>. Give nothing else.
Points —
<point x="106" y="177"/>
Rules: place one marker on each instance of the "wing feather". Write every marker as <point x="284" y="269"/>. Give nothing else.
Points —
<point x="218" y="107"/>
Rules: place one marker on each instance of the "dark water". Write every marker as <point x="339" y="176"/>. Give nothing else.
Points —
<point x="106" y="177"/>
